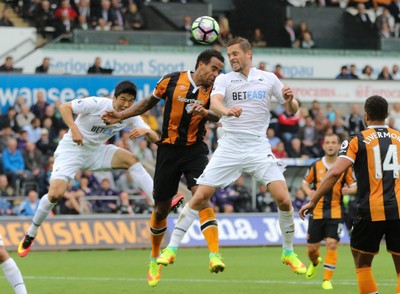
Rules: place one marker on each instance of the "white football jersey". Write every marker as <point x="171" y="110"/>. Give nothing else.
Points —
<point x="253" y="94"/>
<point x="94" y="131"/>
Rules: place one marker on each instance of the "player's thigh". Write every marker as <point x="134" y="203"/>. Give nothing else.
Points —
<point x="334" y="228"/>
<point x="392" y="236"/>
<point x="66" y="163"/>
<point x="279" y="191"/>
<point x="225" y="166"/>
<point x="194" y="163"/>
<point x="366" y="236"/>
<point x="167" y="173"/>
<point x="122" y="159"/>
<point x="101" y="158"/>
<point x="316" y="230"/>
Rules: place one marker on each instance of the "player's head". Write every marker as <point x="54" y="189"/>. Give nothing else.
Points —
<point x="376" y="109"/>
<point x="331" y="144"/>
<point x="209" y="65"/>
<point x="239" y="53"/>
<point x="124" y="95"/>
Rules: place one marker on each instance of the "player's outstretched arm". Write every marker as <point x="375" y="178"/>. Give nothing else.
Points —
<point x="112" y="116"/>
<point x="68" y="116"/>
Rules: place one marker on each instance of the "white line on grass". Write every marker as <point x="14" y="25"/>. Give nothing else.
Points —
<point x="338" y="282"/>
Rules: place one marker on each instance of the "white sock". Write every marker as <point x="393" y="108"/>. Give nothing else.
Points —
<point x="286" y="223"/>
<point x="142" y="178"/>
<point x="185" y="220"/>
<point x="13" y="275"/>
<point x="45" y="206"/>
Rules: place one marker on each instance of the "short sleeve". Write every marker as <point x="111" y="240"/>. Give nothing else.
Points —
<point x="277" y="89"/>
<point x="137" y="122"/>
<point x="309" y="177"/>
<point x="349" y="149"/>
<point x="161" y="87"/>
<point x="219" y="85"/>
<point x="85" y="105"/>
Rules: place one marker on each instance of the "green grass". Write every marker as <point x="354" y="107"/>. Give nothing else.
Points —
<point x="249" y="270"/>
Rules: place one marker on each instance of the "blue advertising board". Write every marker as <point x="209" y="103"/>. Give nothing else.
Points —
<point x="64" y="87"/>
<point x="247" y="230"/>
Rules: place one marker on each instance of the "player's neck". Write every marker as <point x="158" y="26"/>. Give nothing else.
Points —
<point x="330" y="159"/>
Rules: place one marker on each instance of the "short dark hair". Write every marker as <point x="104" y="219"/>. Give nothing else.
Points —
<point x="206" y="56"/>
<point x="125" y="87"/>
<point x="376" y="107"/>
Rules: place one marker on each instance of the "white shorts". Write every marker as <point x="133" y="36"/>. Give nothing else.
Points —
<point x="68" y="160"/>
<point x="233" y="156"/>
<point x="1" y="241"/>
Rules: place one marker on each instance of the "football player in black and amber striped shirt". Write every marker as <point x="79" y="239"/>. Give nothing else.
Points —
<point x="326" y="221"/>
<point x="181" y="149"/>
<point x="375" y="155"/>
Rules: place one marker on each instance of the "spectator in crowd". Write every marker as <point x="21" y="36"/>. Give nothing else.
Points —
<point x="22" y="140"/>
<point x="104" y="13"/>
<point x="105" y="206"/>
<point x="243" y="200"/>
<point x="265" y="202"/>
<point x="33" y="160"/>
<point x="308" y="135"/>
<point x="33" y="130"/>
<point x="278" y="71"/>
<point x="272" y="138"/>
<point x="5" y="207"/>
<point x="5" y="189"/>
<point x="83" y="9"/>
<point x="8" y="65"/>
<point x="133" y="19"/>
<point x="44" y="181"/>
<point x="308" y="42"/>
<point x="321" y="123"/>
<point x="43" y="68"/>
<point x="394" y="113"/>
<point x="385" y="74"/>
<point x="330" y="112"/>
<point x="65" y="10"/>
<point x="13" y="162"/>
<point x="70" y="203"/>
<point x="143" y="153"/>
<point x="38" y="109"/>
<point x="343" y="75"/>
<point x="9" y="120"/>
<point x="394" y="9"/>
<point x="314" y="109"/>
<point x="362" y="16"/>
<point x="355" y="121"/>
<point x="83" y="24"/>
<point x="367" y="73"/>
<point x="64" y="26"/>
<point x="301" y="30"/>
<point x="224" y="199"/>
<point x="44" y="18"/>
<point x="5" y="19"/>
<point x="299" y="199"/>
<point x="258" y="39"/>
<point x="25" y="117"/>
<point x="45" y="145"/>
<point x="117" y="15"/>
<point x="353" y="72"/>
<point x="29" y="206"/>
<point x="339" y="128"/>
<point x="124" y="206"/>
<point x="384" y="17"/>
<point x="395" y="72"/>
<point x="385" y="32"/>
<point x="288" y="126"/>
<point x="262" y="65"/>
<point x="287" y="34"/>
<point x="224" y="31"/>
<point x="280" y="151"/>
<point x="5" y="133"/>
<point x="97" y="69"/>
<point x="296" y="150"/>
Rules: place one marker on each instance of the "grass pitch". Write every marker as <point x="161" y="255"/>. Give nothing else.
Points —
<point x="249" y="270"/>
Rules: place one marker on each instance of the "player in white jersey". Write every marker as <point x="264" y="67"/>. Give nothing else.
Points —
<point x="84" y="148"/>
<point x="11" y="270"/>
<point x="242" y="98"/>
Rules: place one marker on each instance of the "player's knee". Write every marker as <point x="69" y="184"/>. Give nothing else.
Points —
<point x="160" y="213"/>
<point x="284" y="203"/>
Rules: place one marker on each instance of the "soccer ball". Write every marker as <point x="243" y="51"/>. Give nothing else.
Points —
<point x="205" y="30"/>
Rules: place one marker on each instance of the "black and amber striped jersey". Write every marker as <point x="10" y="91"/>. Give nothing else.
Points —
<point x="331" y="204"/>
<point x="375" y="156"/>
<point x="179" y="127"/>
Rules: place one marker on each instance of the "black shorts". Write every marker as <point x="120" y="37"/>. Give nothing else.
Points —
<point x="367" y="235"/>
<point x="319" y="229"/>
<point x="175" y="161"/>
